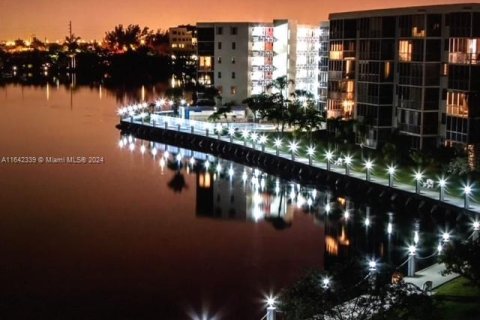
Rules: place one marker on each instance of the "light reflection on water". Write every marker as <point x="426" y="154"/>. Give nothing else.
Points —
<point x="135" y="237"/>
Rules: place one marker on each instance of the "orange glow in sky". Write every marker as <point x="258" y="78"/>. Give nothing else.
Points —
<point x="91" y="18"/>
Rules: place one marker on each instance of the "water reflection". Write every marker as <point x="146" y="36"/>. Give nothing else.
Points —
<point x="229" y="191"/>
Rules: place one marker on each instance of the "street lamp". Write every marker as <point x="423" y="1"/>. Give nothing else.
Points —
<point x="245" y="134"/>
<point x="293" y="146"/>
<point x="231" y="132"/>
<point x="230" y="172"/>
<point x="326" y="282"/>
<point x="391" y="172"/>
<point x="467" y="190"/>
<point x="348" y="162"/>
<point x="411" y="260"/>
<point x="263" y="140"/>
<point x="310" y="153"/>
<point x="476" y="228"/>
<point x="327" y="208"/>
<point x="418" y="179"/>
<point x="254" y="137"/>
<point x="278" y="143"/>
<point x="445" y="237"/>
<point x="368" y="167"/>
<point x="271" y="302"/>
<point x="329" y="157"/>
<point x="442" y="183"/>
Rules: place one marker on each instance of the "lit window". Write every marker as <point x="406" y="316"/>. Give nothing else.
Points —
<point x="405" y="50"/>
<point x="457" y="104"/>
<point x="205" y="62"/>
<point x="233" y="90"/>
<point x="219" y="59"/>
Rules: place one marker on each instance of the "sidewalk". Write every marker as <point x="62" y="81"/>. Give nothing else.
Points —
<point x="432" y="273"/>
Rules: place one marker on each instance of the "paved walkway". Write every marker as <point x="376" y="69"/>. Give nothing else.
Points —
<point x="432" y="273"/>
<point x="202" y="128"/>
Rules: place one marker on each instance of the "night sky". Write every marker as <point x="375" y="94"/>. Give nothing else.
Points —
<point x="91" y="18"/>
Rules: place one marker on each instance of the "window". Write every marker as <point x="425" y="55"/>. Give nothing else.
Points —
<point x="457" y="104"/>
<point x="233" y="75"/>
<point x="405" y="50"/>
<point x="233" y="30"/>
<point x="233" y="60"/>
<point x="233" y="90"/>
<point x="219" y="30"/>
<point x="219" y="45"/>
<point x="205" y="62"/>
<point x="219" y="60"/>
<point x="219" y="75"/>
<point x="234" y="45"/>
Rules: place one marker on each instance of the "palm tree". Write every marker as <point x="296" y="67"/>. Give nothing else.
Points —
<point x="280" y="101"/>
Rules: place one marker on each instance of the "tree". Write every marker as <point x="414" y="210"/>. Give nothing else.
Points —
<point x="126" y="39"/>
<point x="458" y="166"/>
<point x="259" y="105"/>
<point x="280" y="101"/>
<point x="221" y="112"/>
<point x="463" y="258"/>
<point x="353" y="295"/>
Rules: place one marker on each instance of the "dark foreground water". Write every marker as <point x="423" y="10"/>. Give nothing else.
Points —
<point x="131" y="236"/>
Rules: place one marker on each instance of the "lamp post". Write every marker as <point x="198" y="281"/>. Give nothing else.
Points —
<point x="254" y="137"/>
<point x="277" y="142"/>
<point x="245" y="134"/>
<point x="442" y="183"/>
<point x="372" y="272"/>
<point x="231" y="133"/>
<point x="310" y="153"/>
<point x="348" y="162"/>
<point x="467" y="190"/>
<point x="368" y="168"/>
<point x="293" y="146"/>
<point x="329" y="157"/>
<point x="326" y="283"/>
<point x="418" y="179"/>
<point x="263" y="140"/>
<point x="476" y="228"/>
<point x="411" y="260"/>
<point x="271" y="301"/>
<point x="391" y="173"/>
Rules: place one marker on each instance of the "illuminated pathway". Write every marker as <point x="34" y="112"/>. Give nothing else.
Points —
<point x="251" y="137"/>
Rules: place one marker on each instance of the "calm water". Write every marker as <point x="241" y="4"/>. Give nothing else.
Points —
<point x="132" y="239"/>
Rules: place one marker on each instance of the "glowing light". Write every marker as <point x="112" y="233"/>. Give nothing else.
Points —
<point x="120" y="143"/>
<point x="346" y="214"/>
<point x="271" y="301"/>
<point x="476" y="225"/>
<point x="206" y="164"/>
<point x="231" y="131"/>
<point x="132" y="146"/>
<point x="348" y="160"/>
<point x="311" y="150"/>
<point x="369" y="164"/>
<point x="277" y="142"/>
<point x="254" y="136"/>
<point x="416" y="237"/>
<point x="391" y="170"/>
<point x="329" y="155"/>
<point x="439" y="247"/>
<point x="326" y="282"/>
<point x="367" y="222"/>
<point x="412" y="249"/>
<point x="418" y="175"/>
<point x="183" y="101"/>
<point x="244" y="176"/>
<point x="192" y="161"/>
<point x="389" y="228"/>
<point x="143" y="149"/>
<point x="162" y="163"/>
<point x="467" y="189"/>
<point x="154" y="152"/>
<point x="309" y="202"/>
<point x="327" y="208"/>
<point x="293" y="146"/>
<point x="262" y="139"/>
<point x="230" y="172"/>
<point x="166" y="154"/>
<point x="445" y="236"/>
<point x="219" y="168"/>
<point x="372" y="265"/>
<point x="245" y="133"/>
<point x="130" y="139"/>
<point x="442" y="182"/>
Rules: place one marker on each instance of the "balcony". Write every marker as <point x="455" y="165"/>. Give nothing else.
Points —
<point x="464" y="58"/>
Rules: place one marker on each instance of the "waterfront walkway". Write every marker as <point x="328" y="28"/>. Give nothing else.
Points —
<point x="432" y="273"/>
<point x="207" y="129"/>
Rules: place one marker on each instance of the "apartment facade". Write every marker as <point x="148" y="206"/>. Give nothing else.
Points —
<point x="415" y="70"/>
<point x="243" y="58"/>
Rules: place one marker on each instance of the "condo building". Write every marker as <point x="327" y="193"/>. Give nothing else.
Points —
<point x="415" y="70"/>
<point x="243" y="58"/>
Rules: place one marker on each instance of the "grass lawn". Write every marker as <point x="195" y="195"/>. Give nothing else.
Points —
<point x="457" y="300"/>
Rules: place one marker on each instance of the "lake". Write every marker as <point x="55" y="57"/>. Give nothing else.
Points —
<point x="129" y="236"/>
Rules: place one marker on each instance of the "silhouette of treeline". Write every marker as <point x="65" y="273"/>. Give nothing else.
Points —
<point x="126" y="54"/>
